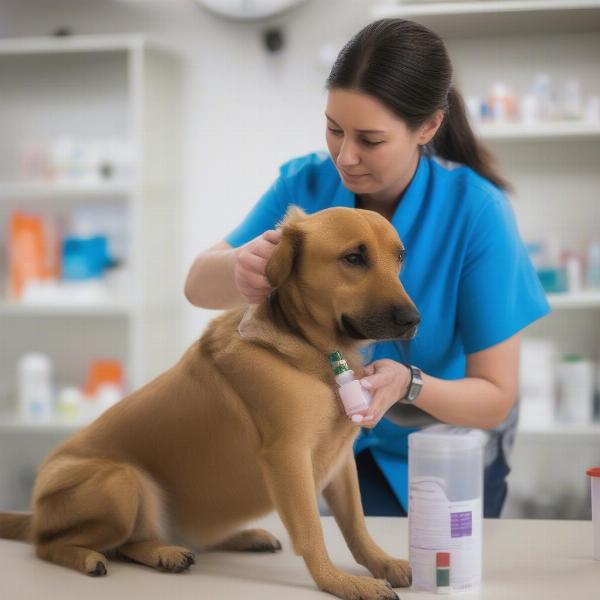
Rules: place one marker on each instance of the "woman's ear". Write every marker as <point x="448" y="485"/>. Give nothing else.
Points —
<point x="430" y="127"/>
<point x="286" y="254"/>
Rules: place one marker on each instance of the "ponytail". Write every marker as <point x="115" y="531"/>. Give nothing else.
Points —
<point x="456" y="141"/>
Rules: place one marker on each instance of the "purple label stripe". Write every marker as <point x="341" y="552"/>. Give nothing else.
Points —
<point x="461" y="524"/>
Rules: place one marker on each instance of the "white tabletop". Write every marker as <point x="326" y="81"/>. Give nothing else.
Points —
<point x="549" y="560"/>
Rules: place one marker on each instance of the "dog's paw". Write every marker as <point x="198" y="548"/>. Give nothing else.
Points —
<point x="174" y="559"/>
<point x="397" y="572"/>
<point x="95" y="565"/>
<point x="352" y="587"/>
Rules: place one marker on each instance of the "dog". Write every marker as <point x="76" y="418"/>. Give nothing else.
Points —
<point x="247" y="422"/>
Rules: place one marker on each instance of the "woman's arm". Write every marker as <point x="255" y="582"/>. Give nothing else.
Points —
<point x="223" y="277"/>
<point x="210" y="282"/>
<point x="483" y="399"/>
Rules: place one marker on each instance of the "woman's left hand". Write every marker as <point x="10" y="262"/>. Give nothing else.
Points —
<point x="387" y="381"/>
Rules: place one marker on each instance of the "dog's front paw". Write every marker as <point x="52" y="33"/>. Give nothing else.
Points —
<point x="394" y="570"/>
<point x="353" y="587"/>
<point x="174" y="559"/>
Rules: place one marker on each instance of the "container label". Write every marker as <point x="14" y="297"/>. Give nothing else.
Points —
<point x="438" y="525"/>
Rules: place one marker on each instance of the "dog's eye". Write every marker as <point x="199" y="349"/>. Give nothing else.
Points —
<point x="354" y="259"/>
<point x="402" y="256"/>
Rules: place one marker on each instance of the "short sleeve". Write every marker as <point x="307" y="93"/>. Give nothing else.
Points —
<point x="499" y="290"/>
<point x="265" y="214"/>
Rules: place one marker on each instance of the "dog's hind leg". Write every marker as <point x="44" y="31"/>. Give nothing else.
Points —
<point x="249" y="540"/>
<point x="82" y="508"/>
<point x="86" y="508"/>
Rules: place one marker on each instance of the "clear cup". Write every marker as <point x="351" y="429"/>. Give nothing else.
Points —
<point x="594" y="474"/>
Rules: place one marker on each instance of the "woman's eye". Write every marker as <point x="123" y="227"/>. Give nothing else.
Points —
<point x="369" y="143"/>
<point x="334" y="131"/>
<point x="354" y="259"/>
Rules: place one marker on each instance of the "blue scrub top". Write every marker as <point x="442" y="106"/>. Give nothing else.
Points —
<point x="467" y="271"/>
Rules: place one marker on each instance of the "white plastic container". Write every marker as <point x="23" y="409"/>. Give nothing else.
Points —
<point x="594" y="474"/>
<point x="445" y="510"/>
<point x="35" y="386"/>
<point x="576" y="390"/>
<point x="537" y="383"/>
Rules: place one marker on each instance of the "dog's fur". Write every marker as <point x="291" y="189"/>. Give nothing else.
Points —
<point x="246" y="422"/>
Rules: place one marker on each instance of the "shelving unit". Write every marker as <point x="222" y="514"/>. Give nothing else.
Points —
<point x="111" y="308"/>
<point x="586" y="299"/>
<point x="61" y="191"/>
<point x="482" y="18"/>
<point x="542" y="132"/>
<point x="591" y="431"/>
<point x="89" y="88"/>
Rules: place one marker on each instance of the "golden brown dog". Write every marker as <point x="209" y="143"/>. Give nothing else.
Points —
<point x="246" y="422"/>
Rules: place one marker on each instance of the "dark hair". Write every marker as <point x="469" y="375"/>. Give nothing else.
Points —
<point x="407" y="68"/>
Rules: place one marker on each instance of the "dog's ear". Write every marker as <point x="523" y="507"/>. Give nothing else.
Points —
<point x="285" y="257"/>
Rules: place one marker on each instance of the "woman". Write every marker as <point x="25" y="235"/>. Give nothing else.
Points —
<point x="400" y="144"/>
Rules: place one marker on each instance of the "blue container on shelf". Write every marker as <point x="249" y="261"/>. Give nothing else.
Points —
<point x="84" y="258"/>
<point x="554" y="280"/>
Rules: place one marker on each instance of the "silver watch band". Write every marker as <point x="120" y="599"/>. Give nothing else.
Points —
<point x="415" y="385"/>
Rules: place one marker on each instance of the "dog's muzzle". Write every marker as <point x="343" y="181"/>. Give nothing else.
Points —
<point x="379" y="326"/>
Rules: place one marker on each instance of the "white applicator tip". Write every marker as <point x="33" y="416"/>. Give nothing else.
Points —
<point x="357" y="418"/>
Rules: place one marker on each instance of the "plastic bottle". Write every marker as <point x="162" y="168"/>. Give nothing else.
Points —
<point x="543" y="89"/>
<point x="445" y="510"/>
<point x="354" y="398"/>
<point x="35" y="386"/>
<point x="593" y="266"/>
<point x="576" y="389"/>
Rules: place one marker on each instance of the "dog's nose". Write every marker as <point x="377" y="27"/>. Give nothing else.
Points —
<point x="406" y="317"/>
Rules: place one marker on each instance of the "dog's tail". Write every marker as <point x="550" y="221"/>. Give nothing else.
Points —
<point x="15" y="525"/>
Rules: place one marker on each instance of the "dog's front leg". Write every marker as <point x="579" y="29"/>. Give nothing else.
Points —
<point x="342" y="495"/>
<point x="288" y="472"/>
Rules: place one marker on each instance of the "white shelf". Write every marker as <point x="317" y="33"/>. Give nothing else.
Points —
<point x="558" y="130"/>
<point x="501" y="17"/>
<point x="100" y="309"/>
<point x="562" y="430"/>
<point x="10" y="422"/>
<point x="586" y="299"/>
<point x="74" y="44"/>
<point x="51" y="191"/>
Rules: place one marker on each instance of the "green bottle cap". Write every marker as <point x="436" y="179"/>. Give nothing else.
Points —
<point x="338" y="363"/>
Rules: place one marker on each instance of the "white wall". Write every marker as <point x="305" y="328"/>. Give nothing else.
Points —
<point x="245" y="111"/>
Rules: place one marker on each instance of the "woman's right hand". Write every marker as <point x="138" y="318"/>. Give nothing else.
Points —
<point x="251" y="265"/>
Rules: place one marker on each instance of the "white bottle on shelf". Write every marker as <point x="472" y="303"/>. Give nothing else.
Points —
<point x="35" y="386"/>
<point x="576" y="390"/>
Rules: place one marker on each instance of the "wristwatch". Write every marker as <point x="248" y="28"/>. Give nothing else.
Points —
<point x="414" y="387"/>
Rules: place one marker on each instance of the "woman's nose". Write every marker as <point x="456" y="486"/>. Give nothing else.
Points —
<point x="347" y="155"/>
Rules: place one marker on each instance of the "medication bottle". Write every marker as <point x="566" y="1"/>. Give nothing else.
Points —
<point x="35" y="386"/>
<point x="445" y="472"/>
<point x="354" y="398"/>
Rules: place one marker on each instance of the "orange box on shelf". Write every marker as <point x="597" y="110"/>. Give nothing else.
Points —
<point x="32" y="253"/>
<point x="101" y="372"/>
